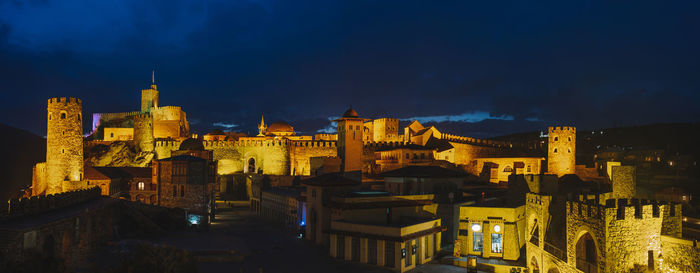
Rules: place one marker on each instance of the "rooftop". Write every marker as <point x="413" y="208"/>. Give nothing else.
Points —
<point x="331" y="179"/>
<point x="424" y="172"/>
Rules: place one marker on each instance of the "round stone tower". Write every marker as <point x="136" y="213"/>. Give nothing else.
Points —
<point x="143" y="132"/>
<point x="64" y="144"/>
<point x="561" y="154"/>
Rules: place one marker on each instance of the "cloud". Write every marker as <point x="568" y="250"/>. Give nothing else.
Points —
<point x="331" y="128"/>
<point x="225" y="125"/>
<point x="476" y="116"/>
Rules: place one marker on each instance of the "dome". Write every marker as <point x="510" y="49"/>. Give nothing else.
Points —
<point x="350" y="113"/>
<point x="280" y="127"/>
<point x="192" y="144"/>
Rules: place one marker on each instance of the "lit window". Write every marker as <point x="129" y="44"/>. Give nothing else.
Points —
<point x="141" y="186"/>
<point x="478" y="241"/>
<point x="497" y="242"/>
<point x="497" y="228"/>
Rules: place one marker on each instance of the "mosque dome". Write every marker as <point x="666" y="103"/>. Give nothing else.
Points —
<point x="350" y="113"/>
<point x="192" y="144"/>
<point x="280" y="127"/>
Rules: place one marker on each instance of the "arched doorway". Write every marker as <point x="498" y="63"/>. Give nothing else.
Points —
<point x="534" y="265"/>
<point x="586" y="254"/>
<point x="251" y="165"/>
<point x="553" y="270"/>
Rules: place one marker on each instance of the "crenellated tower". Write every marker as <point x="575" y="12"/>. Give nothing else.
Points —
<point x="143" y="132"/>
<point x="64" y="144"/>
<point x="561" y="152"/>
<point x="149" y="97"/>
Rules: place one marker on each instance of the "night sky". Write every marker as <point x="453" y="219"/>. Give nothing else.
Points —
<point x="479" y="68"/>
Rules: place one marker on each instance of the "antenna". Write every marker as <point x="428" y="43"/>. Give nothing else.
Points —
<point x="153" y="76"/>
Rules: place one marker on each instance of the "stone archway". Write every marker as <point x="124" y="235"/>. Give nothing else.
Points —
<point x="251" y="165"/>
<point x="586" y="253"/>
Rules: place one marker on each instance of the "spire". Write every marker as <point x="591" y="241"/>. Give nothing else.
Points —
<point x="262" y="127"/>
<point x="153" y="79"/>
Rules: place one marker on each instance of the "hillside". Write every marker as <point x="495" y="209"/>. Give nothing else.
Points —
<point x="21" y="150"/>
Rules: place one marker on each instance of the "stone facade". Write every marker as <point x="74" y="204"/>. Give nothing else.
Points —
<point x="624" y="181"/>
<point x="561" y="151"/>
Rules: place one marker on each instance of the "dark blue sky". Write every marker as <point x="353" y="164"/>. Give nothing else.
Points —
<point x="491" y="67"/>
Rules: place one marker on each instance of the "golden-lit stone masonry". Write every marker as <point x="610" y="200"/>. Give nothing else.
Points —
<point x="252" y="154"/>
<point x="623" y="181"/>
<point x="143" y="132"/>
<point x="64" y="144"/>
<point x="561" y="154"/>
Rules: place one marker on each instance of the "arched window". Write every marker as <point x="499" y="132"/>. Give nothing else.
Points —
<point x="63" y="115"/>
<point x="555" y="150"/>
<point x="142" y="186"/>
<point x="569" y="150"/>
<point x="569" y="138"/>
<point x="79" y="115"/>
<point x="556" y="138"/>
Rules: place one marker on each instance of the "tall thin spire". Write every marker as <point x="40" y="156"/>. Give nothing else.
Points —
<point x="262" y="127"/>
<point x="153" y="76"/>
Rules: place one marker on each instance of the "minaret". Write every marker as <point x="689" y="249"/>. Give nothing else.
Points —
<point x="350" y="143"/>
<point x="149" y="97"/>
<point x="262" y="127"/>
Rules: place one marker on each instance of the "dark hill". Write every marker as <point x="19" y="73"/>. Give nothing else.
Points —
<point x="21" y="150"/>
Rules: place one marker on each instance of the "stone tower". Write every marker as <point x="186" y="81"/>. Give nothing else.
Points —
<point x="64" y="145"/>
<point x="149" y="97"/>
<point x="385" y="129"/>
<point x="561" y="154"/>
<point x="143" y="132"/>
<point x="624" y="184"/>
<point x="350" y="143"/>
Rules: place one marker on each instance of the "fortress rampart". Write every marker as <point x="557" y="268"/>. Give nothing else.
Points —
<point x="39" y="204"/>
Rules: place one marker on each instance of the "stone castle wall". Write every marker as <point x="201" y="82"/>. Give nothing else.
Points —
<point x="39" y="184"/>
<point x="301" y="152"/>
<point x="623" y="233"/>
<point x="679" y="255"/>
<point x="64" y="143"/>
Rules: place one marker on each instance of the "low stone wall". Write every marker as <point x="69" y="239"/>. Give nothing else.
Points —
<point x="679" y="255"/>
<point x="38" y="204"/>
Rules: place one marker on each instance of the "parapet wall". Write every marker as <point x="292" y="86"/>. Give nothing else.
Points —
<point x="39" y="204"/>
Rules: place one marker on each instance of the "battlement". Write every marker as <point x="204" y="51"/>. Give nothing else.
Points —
<point x="557" y="129"/>
<point x="212" y="144"/>
<point x="313" y="143"/>
<point x="384" y="144"/>
<point x="589" y="206"/>
<point x="143" y="116"/>
<point x="65" y="100"/>
<point x="167" y="143"/>
<point x="39" y="204"/>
